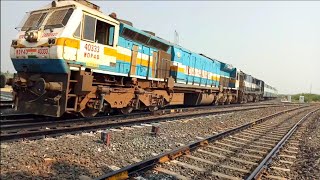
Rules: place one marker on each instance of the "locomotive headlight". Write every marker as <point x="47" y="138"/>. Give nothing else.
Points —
<point x="51" y="41"/>
<point x="14" y="43"/>
<point x="26" y="35"/>
<point x="31" y="36"/>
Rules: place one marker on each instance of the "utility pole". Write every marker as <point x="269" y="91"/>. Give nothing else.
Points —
<point x="310" y="87"/>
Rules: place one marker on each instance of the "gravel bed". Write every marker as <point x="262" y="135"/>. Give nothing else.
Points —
<point x="225" y="160"/>
<point x="70" y="156"/>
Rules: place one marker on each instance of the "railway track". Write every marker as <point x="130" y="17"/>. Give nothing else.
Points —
<point x="20" y="120"/>
<point x="273" y="166"/>
<point x="6" y="100"/>
<point x="239" y="153"/>
<point x="27" y="117"/>
<point x="11" y="130"/>
<point x="6" y="104"/>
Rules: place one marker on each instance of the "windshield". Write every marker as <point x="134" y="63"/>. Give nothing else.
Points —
<point x="57" y="19"/>
<point x="34" y="21"/>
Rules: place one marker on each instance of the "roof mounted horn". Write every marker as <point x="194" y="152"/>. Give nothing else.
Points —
<point x="126" y="22"/>
<point x="54" y="4"/>
<point x="113" y="15"/>
<point x="86" y="3"/>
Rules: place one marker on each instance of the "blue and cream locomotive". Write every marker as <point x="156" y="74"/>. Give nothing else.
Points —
<point x="72" y="58"/>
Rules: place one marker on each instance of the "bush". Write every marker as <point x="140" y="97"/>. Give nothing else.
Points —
<point x="307" y="97"/>
<point x="3" y="78"/>
<point x="2" y="81"/>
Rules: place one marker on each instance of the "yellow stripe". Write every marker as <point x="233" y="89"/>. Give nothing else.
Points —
<point x="215" y="77"/>
<point x="113" y="52"/>
<point x="176" y="68"/>
<point x="110" y="51"/>
<point x="73" y="43"/>
<point x="181" y="70"/>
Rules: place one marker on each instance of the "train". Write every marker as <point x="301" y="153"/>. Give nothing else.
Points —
<point x="71" y="58"/>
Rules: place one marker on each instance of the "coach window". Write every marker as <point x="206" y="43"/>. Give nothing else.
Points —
<point x="104" y="33"/>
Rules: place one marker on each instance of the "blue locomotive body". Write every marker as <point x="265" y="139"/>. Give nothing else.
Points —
<point x="87" y="62"/>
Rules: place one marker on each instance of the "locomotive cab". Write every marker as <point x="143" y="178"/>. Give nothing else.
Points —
<point x="48" y="45"/>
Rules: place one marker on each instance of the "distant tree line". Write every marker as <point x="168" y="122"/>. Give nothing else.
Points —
<point x="3" y="78"/>
<point x="307" y="97"/>
<point x="7" y="74"/>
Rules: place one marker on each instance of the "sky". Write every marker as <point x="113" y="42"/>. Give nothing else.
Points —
<point x="278" y="42"/>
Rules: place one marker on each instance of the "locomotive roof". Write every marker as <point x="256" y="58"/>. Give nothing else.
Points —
<point x="97" y="12"/>
<point x="62" y="3"/>
<point x="146" y="34"/>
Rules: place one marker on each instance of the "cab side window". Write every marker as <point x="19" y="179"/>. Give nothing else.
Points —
<point x="104" y="33"/>
<point x="98" y="31"/>
<point x="88" y="28"/>
<point x="77" y="32"/>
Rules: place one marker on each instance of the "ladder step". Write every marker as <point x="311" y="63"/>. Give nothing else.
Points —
<point x="72" y="95"/>
<point x="71" y="80"/>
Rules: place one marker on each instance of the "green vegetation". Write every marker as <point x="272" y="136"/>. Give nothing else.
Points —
<point x="7" y="74"/>
<point x="307" y="97"/>
<point x="4" y="76"/>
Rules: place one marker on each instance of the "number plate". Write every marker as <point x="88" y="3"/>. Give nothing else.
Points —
<point x="38" y="52"/>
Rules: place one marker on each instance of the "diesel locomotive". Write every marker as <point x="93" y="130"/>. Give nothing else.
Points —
<point x="72" y="58"/>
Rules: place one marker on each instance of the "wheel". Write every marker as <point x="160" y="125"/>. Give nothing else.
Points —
<point x="153" y="108"/>
<point x="126" y="110"/>
<point x="89" y="112"/>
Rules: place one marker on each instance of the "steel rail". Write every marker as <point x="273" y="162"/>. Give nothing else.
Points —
<point x="15" y="116"/>
<point x="32" y="123"/>
<point x="42" y="122"/>
<point x="6" y="104"/>
<point x="267" y="160"/>
<point x="113" y="124"/>
<point x="130" y="170"/>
